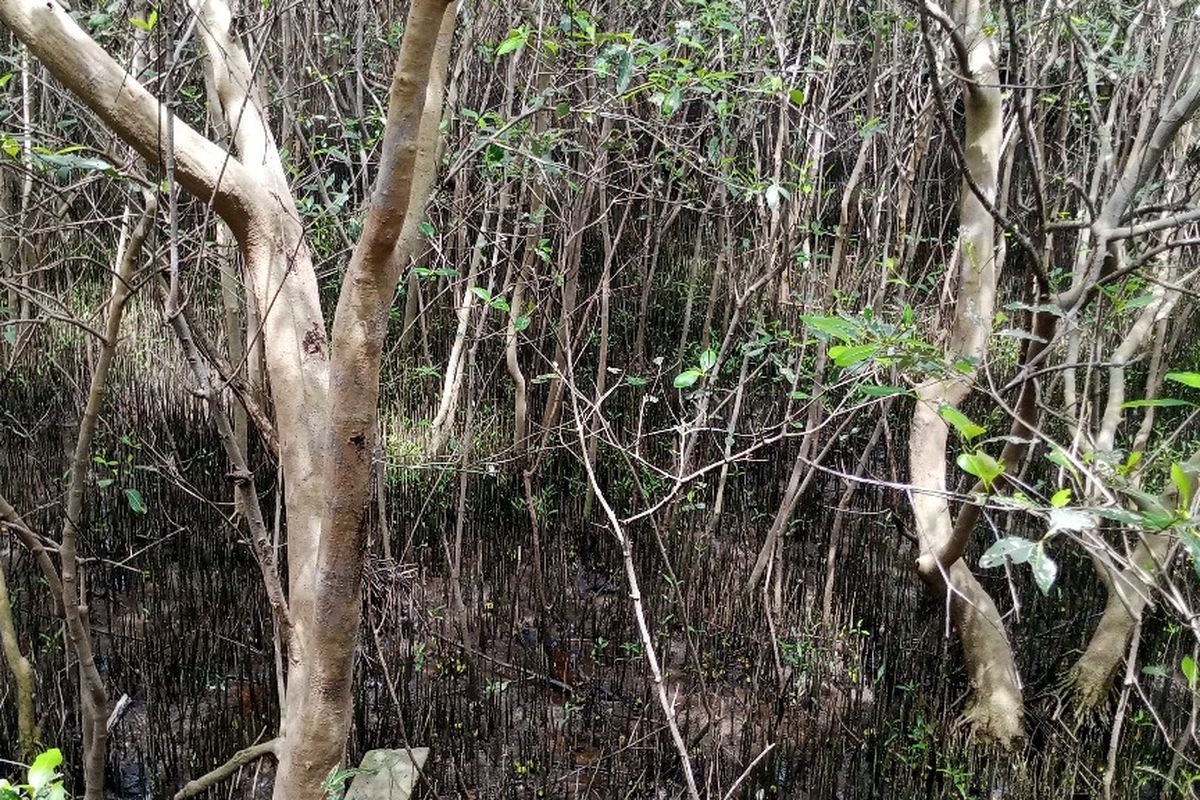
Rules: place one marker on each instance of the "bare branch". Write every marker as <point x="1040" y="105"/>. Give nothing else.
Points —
<point x="240" y="759"/>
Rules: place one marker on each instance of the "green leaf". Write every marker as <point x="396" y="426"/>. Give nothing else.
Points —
<point x="1013" y="333"/>
<point x="1121" y="515"/>
<point x="1188" y="667"/>
<point x="1057" y="456"/>
<point x="1131" y="461"/>
<point x="1061" y="498"/>
<point x="686" y="378"/>
<point x="1069" y="519"/>
<point x="965" y="427"/>
<point x="493" y="155"/>
<point x="517" y="37"/>
<point x="835" y="327"/>
<point x="1150" y="505"/>
<point x="1044" y="568"/>
<point x="1158" y="402"/>
<point x="672" y="100"/>
<point x="1015" y="547"/>
<point x="624" y="70"/>
<point x="482" y="293"/>
<point x="1158" y="520"/>
<point x="148" y="23"/>
<point x="981" y="465"/>
<point x="708" y="360"/>
<point x="1140" y="301"/>
<point x="1155" y="670"/>
<point x="42" y="771"/>
<point x="796" y="96"/>
<point x="1191" y="543"/>
<point x="1042" y="308"/>
<point x="426" y="227"/>
<point x="1018" y="502"/>
<point x="65" y="160"/>
<point x="845" y="356"/>
<point x="136" y="502"/>
<point x="1183" y="483"/>
<point x="104" y="483"/>
<point x="771" y="195"/>
<point x="521" y="322"/>
<point x="1191" y="379"/>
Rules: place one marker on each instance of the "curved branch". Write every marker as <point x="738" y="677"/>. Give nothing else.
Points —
<point x="83" y="66"/>
<point x="240" y="759"/>
<point x="961" y="52"/>
<point x="11" y="519"/>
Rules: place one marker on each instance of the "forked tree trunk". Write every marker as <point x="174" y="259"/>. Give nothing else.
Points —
<point x="319" y="708"/>
<point x="325" y="454"/>
<point x="1091" y="677"/>
<point x="995" y="709"/>
<point x="1130" y="591"/>
<point x="1129" y="588"/>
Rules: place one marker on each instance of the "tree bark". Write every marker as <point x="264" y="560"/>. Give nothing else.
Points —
<point x="22" y="672"/>
<point x="995" y="709"/>
<point x="319" y="718"/>
<point x="93" y="694"/>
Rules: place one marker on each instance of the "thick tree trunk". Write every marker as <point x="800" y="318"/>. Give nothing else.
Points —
<point x="319" y="713"/>
<point x="1091" y="677"/>
<point x="1130" y="590"/>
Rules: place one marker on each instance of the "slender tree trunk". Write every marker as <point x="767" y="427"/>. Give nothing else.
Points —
<point x="22" y="673"/>
<point x="996" y="707"/>
<point x="92" y="691"/>
<point x="456" y="364"/>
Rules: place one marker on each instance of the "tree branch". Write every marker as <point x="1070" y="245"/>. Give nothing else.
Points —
<point x="240" y="759"/>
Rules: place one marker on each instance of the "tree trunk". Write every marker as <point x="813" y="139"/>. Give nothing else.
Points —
<point x="995" y="709"/>
<point x="22" y="672"/>
<point x="318" y="450"/>
<point x="319" y="712"/>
